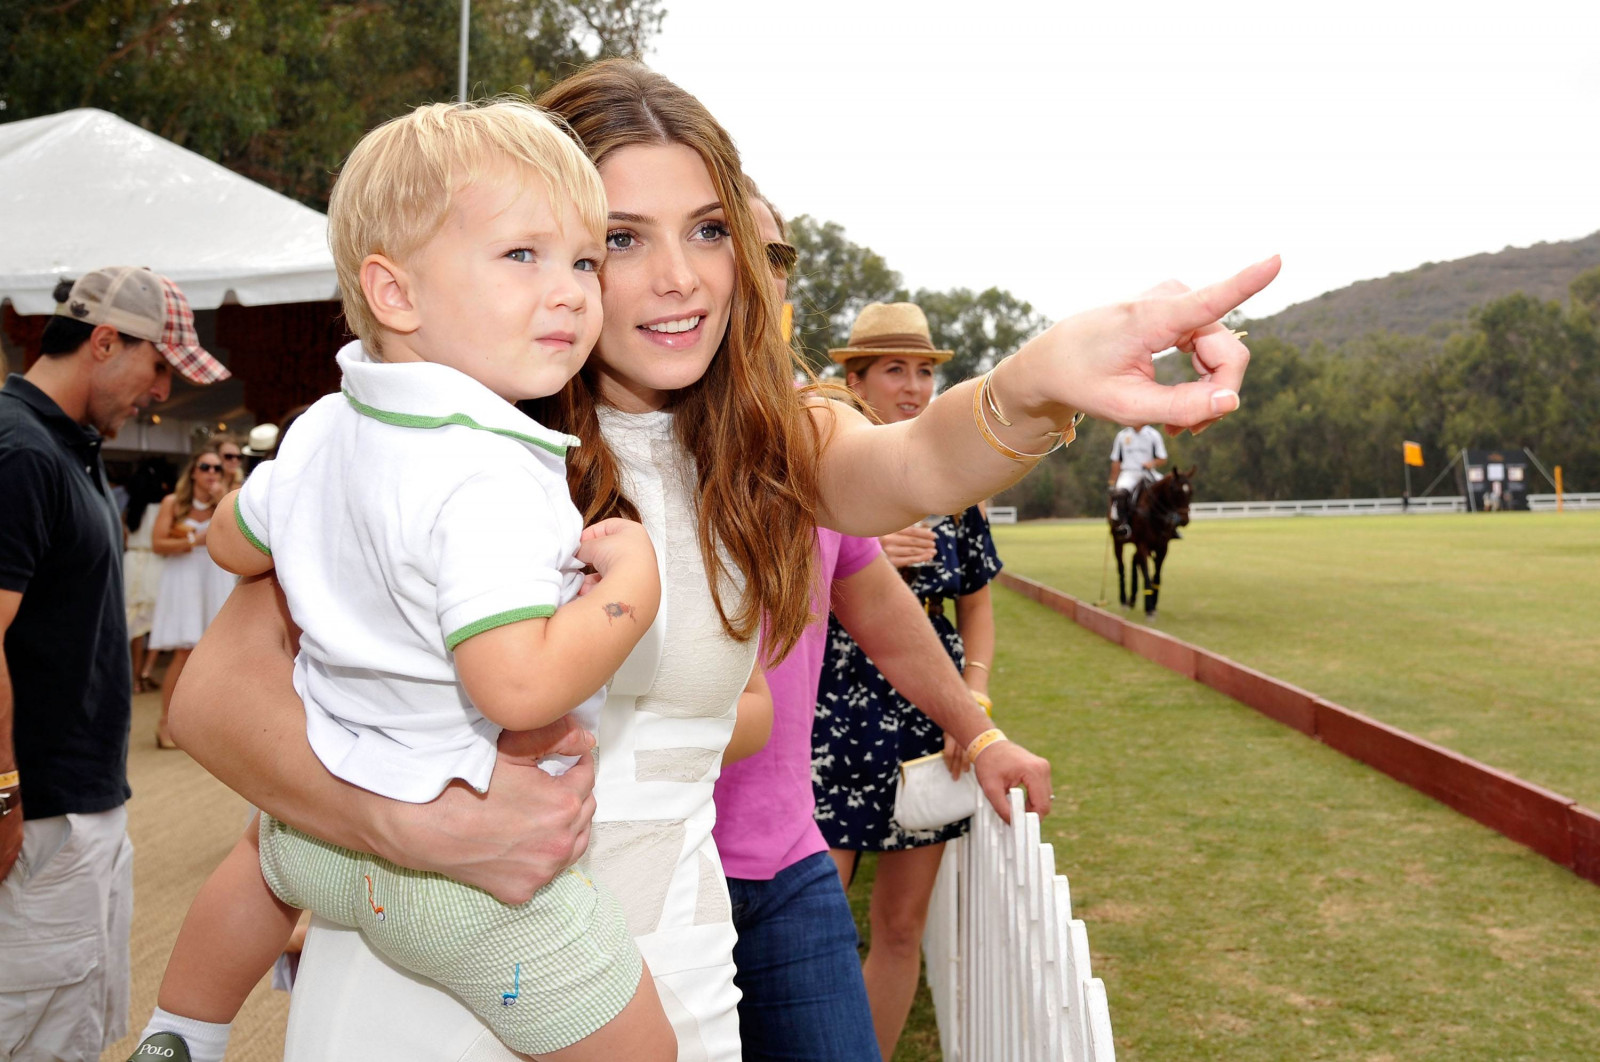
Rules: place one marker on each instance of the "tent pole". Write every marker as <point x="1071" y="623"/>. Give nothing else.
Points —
<point x="1545" y="472"/>
<point x="1441" y="475"/>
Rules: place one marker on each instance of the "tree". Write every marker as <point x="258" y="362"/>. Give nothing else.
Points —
<point x="281" y="90"/>
<point x="980" y="328"/>
<point x="833" y="279"/>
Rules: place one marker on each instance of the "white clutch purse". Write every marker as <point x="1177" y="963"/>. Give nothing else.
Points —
<point x="928" y="798"/>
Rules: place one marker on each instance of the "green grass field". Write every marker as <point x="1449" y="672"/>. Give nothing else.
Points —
<point x="1254" y="896"/>
<point x="1478" y="632"/>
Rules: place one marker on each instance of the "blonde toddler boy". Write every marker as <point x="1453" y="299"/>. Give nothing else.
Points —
<point x="422" y="531"/>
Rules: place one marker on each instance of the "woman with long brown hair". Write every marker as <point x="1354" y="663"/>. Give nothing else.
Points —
<point x="688" y="419"/>
<point x="192" y="587"/>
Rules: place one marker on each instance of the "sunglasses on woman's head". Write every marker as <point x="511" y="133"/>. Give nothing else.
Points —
<point x="782" y="255"/>
<point x="207" y="466"/>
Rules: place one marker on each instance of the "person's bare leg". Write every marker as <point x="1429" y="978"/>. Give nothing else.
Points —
<point x="900" y="896"/>
<point x="169" y="682"/>
<point x="640" y="1033"/>
<point x="235" y="930"/>
<point x="150" y="658"/>
<point x="844" y="861"/>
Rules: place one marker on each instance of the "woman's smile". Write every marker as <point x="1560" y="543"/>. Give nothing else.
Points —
<point x="679" y="332"/>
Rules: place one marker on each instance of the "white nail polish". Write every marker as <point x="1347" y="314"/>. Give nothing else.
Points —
<point x="1224" y="401"/>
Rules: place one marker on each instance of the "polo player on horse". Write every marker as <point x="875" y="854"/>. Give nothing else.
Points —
<point x="1135" y="455"/>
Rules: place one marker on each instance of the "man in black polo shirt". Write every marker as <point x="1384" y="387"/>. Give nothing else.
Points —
<point x="66" y="873"/>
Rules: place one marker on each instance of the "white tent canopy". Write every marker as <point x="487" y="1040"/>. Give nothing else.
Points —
<point x="84" y="189"/>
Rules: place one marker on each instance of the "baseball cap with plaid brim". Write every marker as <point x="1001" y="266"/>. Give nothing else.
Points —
<point x="144" y="304"/>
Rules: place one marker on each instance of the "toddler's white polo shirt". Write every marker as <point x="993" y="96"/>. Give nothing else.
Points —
<point x="404" y="515"/>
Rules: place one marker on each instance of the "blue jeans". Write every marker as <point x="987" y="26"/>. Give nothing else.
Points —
<point x="804" y="1000"/>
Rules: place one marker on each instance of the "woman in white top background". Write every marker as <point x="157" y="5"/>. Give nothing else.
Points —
<point x="141" y="566"/>
<point x="192" y="587"/>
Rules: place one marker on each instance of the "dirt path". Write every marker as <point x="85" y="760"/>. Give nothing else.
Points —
<point x="182" y="822"/>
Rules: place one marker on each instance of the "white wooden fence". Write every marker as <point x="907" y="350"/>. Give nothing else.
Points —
<point x="1546" y="503"/>
<point x="1324" y="507"/>
<point x="1007" y="963"/>
<point x="1371" y="506"/>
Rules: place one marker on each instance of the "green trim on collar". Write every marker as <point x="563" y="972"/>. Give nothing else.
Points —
<point x="244" y="529"/>
<point x="415" y="420"/>
<point x="499" y="619"/>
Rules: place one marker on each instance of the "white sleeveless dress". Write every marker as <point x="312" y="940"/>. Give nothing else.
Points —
<point x="190" y="594"/>
<point x="141" y="576"/>
<point x="666" y="721"/>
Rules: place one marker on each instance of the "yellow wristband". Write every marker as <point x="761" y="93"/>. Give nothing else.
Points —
<point x="983" y="741"/>
<point x="10" y="780"/>
<point x="983" y="702"/>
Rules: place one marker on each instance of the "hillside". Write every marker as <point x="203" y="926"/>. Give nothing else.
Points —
<point x="1432" y="299"/>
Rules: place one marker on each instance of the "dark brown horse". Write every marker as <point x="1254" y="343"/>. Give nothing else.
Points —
<point x="1161" y="508"/>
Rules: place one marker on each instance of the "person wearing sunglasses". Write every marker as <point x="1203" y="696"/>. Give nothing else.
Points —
<point x="227" y="447"/>
<point x="193" y="587"/>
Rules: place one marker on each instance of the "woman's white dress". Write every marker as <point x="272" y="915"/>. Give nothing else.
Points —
<point x="191" y="593"/>
<point x="141" y="576"/>
<point x="668" y="716"/>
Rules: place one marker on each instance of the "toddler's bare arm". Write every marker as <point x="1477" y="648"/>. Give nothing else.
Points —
<point x="228" y="545"/>
<point x="529" y="673"/>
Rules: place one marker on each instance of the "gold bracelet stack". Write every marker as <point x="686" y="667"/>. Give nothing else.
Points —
<point x="984" y="403"/>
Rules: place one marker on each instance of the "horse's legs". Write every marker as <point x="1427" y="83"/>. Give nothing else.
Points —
<point x="1141" y="567"/>
<point x="1122" y="594"/>
<point x="1155" y="587"/>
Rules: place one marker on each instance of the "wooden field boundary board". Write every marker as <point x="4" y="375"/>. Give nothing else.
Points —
<point x="1555" y="826"/>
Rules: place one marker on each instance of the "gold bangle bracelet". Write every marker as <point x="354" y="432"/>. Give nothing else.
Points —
<point x="983" y="741"/>
<point x="979" y="397"/>
<point x="994" y="406"/>
<point x="978" y="663"/>
<point x="983" y="702"/>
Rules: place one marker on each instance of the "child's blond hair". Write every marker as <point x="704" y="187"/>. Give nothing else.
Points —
<point x="397" y="186"/>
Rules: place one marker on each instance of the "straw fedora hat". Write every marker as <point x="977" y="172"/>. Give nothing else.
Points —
<point x="890" y="328"/>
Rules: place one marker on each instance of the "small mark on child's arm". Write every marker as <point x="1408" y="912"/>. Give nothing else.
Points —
<point x="615" y="610"/>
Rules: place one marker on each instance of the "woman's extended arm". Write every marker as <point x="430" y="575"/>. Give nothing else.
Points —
<point x="877" y="479"/>
<point x="235" y="711"/>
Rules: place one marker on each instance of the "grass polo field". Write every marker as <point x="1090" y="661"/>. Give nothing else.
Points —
<point x="1250" y="894"/>
<point x="1254" y="895"/>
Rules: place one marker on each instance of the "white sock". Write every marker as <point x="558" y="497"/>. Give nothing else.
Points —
<point x="207" y="1040"/>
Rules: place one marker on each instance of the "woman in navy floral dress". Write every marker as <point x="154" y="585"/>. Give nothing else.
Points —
<point x="864" y="728"/>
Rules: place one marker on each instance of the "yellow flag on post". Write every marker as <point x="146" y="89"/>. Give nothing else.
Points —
<point x="1413" y="454"/>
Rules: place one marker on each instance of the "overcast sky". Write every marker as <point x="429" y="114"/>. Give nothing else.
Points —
<point x="1075" y="153"/>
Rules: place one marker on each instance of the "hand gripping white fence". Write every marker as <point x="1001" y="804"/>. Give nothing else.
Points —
<point x="1007" y="963"/>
